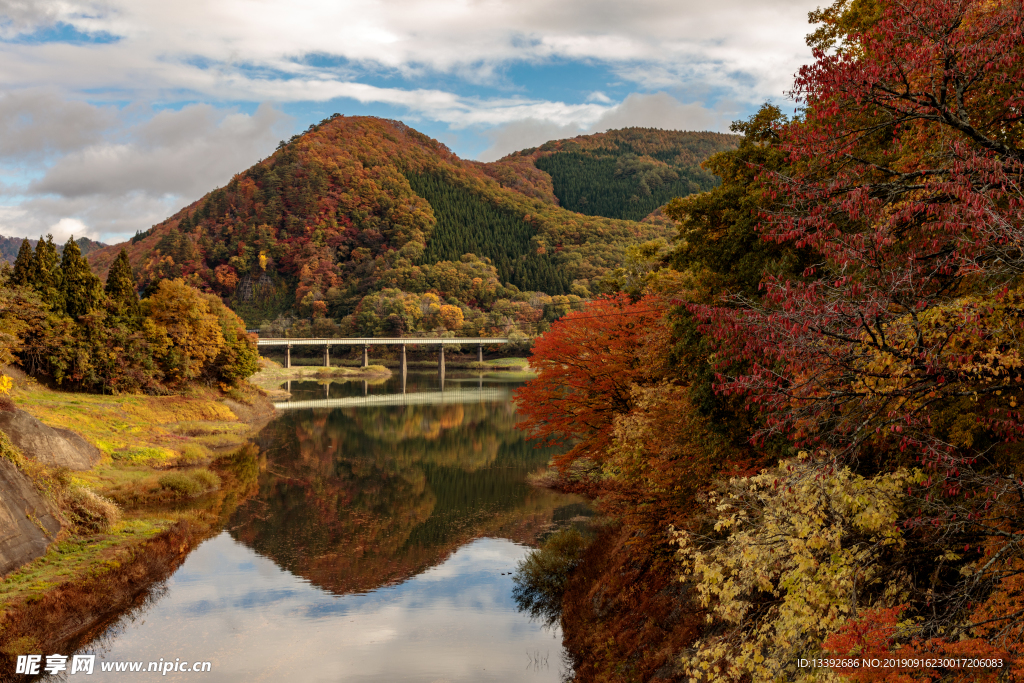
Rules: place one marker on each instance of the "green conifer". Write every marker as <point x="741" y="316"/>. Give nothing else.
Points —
<point x="120" y="287"/>
<point x="45" y="275"/>
<point x="80" y="290"/>
<point x="23" y="265"/>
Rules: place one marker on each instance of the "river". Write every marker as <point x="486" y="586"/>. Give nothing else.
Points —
<point x="379" y="546"/>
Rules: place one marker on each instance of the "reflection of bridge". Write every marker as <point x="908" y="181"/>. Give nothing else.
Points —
<point x="367" y="342"/>
<point x="422" y="398"/>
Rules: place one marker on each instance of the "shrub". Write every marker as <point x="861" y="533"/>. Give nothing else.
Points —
<point x="89" y="511"/>
<point x="190" y="484"/>
<point x="208" y="479"/>
<point x="194" y="453"/>
<point x="541" y="578"/>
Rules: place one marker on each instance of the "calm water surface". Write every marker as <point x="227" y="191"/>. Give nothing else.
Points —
<point x="376" y="543"/>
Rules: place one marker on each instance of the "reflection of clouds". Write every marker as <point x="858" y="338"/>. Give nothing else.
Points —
<point x="477" y="559"/>
<point x="455" y="622"/>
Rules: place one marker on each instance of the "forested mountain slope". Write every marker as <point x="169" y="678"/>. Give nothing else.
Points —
<point x="360" y="206"/>
<point x="627" y="173"/>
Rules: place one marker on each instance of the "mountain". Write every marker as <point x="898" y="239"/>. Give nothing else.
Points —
<point x="368" y="223"/>
<point x="627" y="173"/>
<point x="9" y="247"/>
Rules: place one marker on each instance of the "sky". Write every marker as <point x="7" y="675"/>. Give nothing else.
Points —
<point x="116" y="113"/>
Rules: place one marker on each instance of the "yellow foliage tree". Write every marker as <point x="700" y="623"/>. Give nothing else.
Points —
<point x="451" y="317"/>
<point x="794" y="554"/>
<point x="185" y="333"/>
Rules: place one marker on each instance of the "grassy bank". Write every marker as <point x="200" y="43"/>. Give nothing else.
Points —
<point x="174" y="468"/>
<point x="511" y="369"/>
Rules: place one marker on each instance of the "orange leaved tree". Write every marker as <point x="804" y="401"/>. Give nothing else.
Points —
<point x="587" y="364"/>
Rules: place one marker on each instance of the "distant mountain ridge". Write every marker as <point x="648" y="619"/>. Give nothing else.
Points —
<point x="9" y="247"/>
<point x="627" y="173"/>
<point x="370" y="223"/>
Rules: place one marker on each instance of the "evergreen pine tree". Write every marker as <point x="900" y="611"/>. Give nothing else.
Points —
<point x="45" y="274"/>
<point x="23" y="265"/>
<point x="80" y="290"/>
<point x="120" y="287"/>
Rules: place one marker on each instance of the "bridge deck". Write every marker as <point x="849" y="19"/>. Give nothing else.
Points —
<point x="384" y="341"/>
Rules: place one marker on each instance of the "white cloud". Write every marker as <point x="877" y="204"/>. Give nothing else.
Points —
<point x="69" y="227"/>
<point x="184" y="152"/>
<point x="518" y="135"/>
<point x="657" y="110"/>
<point x="213" y="46"/>
<point x="17" y="16"/>
<point x="34" y="123"/>
<point x="139" y="174"/>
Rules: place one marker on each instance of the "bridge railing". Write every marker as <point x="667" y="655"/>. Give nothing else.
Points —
<point x="380" y="341"/>
<point x="367" y="342"/>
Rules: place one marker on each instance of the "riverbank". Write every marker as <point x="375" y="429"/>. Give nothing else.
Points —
<point x="175" y="466"/>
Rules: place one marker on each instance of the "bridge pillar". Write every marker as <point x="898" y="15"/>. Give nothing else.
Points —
<point x="480" y="353"/>
<point x="366" y="355"/>
<point x="327" y="356"/>
<point x="405" y="367"/>
<point x="288" y="356"/>
<point x="440" y="364"/>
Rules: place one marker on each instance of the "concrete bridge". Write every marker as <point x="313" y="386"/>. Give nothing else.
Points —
<point x="367" y="342"/>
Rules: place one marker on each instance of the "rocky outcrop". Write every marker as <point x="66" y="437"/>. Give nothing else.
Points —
<point x="28" y="522"/>
<point x="53" y="447"/>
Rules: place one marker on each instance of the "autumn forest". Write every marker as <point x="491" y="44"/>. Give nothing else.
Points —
<point x="785" y="364"/>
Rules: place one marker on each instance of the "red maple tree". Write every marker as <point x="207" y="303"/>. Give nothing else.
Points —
<point x="908" y="184"/>
<point x="586" y="365"/>
<point x="903" y="343"/>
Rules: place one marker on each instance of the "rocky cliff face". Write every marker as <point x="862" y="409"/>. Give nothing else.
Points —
<point x="28" y="522"/>
<point x="52" y="447"/>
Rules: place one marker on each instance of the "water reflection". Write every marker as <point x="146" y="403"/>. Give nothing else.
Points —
<point x="353" y="499"/>
<point x="379" y="545"/>
<point x="253" y="622"/>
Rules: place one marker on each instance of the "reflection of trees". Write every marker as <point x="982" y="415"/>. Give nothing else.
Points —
<point x="354" y="499"/>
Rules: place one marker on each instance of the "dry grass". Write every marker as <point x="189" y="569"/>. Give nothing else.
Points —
<point x="547" y="478"/>
<point x="89" y="511"/>
<point x="191" y="483"/>
<point x="158" y="431"/>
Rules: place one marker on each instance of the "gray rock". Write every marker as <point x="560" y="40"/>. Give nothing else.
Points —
<point x="53" y="447"/>
<point x="28" y="522"/>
